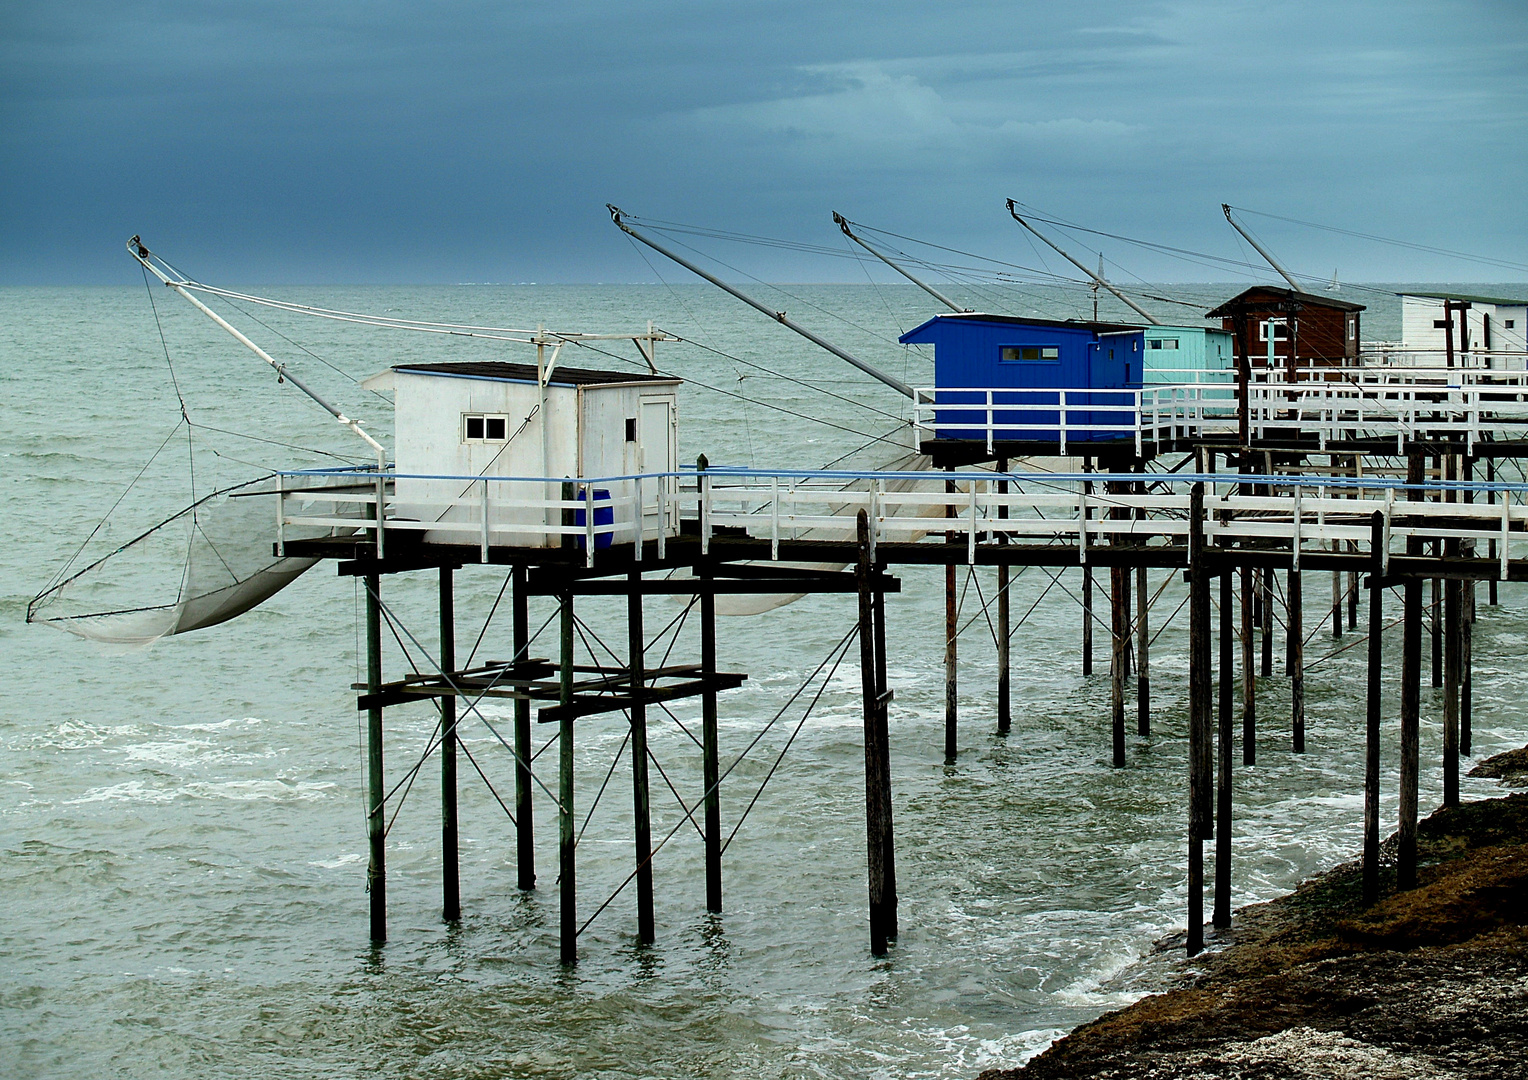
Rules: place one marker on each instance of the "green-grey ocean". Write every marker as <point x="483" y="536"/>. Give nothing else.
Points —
<point x="182" y="848"/>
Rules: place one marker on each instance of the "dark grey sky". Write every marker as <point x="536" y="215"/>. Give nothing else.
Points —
<point x="470" y="141"/>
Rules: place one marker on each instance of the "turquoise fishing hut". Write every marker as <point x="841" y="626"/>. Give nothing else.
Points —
<point x="1188" y="354"/>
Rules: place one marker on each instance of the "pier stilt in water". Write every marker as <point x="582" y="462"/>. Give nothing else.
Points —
<point x="877" y="799"/>
<point x="1004" y="718"/>
<point x="1453" y="610"/>
<point x="1372" y="709"/>
<point x="525" y="838"/>
<point x="1435" y="624"/>
<point x="1491" y="594"/>
<point x="1265" y="616"/>
<point x="1336" y="602"/>
<point x="1295" y="651"/>
<point x="1223" y="750"/>
<point x="710" y="752"/>
<point x="1248" y="672"/>
<point x="1467" y="669"/>
<point x="451" y="891"/>
<point x="951" y="630"/>
<point x="642" y="831"/>
<point x="376" y="830"/>
<point x="566" y="834"/>
<point x="1142" y="655"/>
<point x="1200" y="753"/>
<point x="1087" y="588"/>
<point x="1411" y="702"/>
<point x="883" y="733"/>
<point x="1119" y="618"/>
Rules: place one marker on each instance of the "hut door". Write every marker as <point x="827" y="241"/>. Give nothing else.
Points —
<point x="657" y="440"/>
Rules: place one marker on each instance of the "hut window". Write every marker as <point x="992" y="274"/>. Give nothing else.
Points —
<point x="1352" y="327"/>
<point x="480" y="427"/>
<point x="631" y="429"/>
<point x="1012" y="353"/>
<point x="1164" y="343"/>
<point x="1280" y="329"/>
<point x="1510" y="323"/>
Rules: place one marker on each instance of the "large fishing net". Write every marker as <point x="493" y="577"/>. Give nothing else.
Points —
<point x="202" y="566"/>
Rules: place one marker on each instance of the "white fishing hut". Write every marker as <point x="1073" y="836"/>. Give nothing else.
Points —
<point x="1491" y="333"/>
<point x="464" y="431"/>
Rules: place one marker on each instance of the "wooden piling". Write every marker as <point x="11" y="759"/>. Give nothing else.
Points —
<point x="1087" y="587"/>
<point x="1453" y="609"/>
<point x="525" y="838"/>
<point x="951" y="631"/>
<point x="1435" y="625"/>
<point x="1372" y="707"/>
<point x="1411" y="701"/>
<point x="1004" y="719"/>
<point x="883" y="734"/>
<point x="1467" y="633"/>
<point x="566" y="834"/>
<point x="1119" y="617"/>
<point x="1265" y="615"/>
<point x="1295" y="652"/>
<point x="1201" y="797"/>
<point x="1336" y="600"/>
<point x="1248" y="673"/>
<point x="451" y="892"/>
<point x="1142" y="654"/>
<point x="710" y="751"/>
<point x="875" y="797"/>
<point x="1222" y="914"/>
<point x="1352" y="593"/>
<point x="376" y="830"/>
<point x="642" y="832"/>
<point x="1491" y="594"/>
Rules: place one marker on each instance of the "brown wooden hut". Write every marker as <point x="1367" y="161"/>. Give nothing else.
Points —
<point x="1307" y="330"/>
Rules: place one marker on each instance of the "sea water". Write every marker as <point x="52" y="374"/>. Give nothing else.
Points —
<point x="182" y="844"/>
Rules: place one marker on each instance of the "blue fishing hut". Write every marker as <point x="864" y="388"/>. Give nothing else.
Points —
<point x="1051" y="378"/>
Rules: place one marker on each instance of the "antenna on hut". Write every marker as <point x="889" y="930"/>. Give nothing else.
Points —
<point x="843" y="223"/>
<point x="1285" y="274"/>
<point x="1098" y="278"/>
<point x="896" y="384"/>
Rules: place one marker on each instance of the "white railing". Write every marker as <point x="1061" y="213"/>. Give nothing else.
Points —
<point x="1071" y="415"/>
<point x="1303" y="514"/>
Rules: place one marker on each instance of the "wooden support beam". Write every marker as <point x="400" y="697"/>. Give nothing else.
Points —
<point x="376" y="828"/>
<point x="1119" y="617"/>
<point x="642" y="830"/>
<point x="451" y="891"/>
<point x="883" y="734"/>
<point x="1201" y="797"/>
<point x="1467" y="636"/>
<point x="1222" y="914"/>
<point x="1453" y="610"/>
<point x="1295" y="663"/>
<point x="1372" y="710"/>
<point x="1248" y="672"/>
<point x="951" y="630"/>
<point x="525" y="838"/>
<point x="875" y="796"/>
<point x="1491" y="553"/>
<point x="1004" y="617"/>
<point x="1142" y="634"/>
<point x="1087" y="587"/>
<point x="1265" y="616"/>
<point x="1411" y="702"/>
<point x="710" y="752"/>
<point x="567" y="838"/>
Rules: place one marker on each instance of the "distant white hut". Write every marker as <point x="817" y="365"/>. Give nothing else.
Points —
<point x="1490" y="333"/>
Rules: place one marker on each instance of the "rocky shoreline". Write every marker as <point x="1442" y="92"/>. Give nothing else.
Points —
<point x="1429" y="982"/>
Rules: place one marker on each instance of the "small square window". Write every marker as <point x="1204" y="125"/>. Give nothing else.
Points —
<point x="477" y="427"/>
<point x="1510" y="323"/>
<point x="631" y="429"/>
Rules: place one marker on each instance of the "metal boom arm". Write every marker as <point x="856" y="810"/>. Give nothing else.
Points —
<point x="1131" y="304"/>
<point x="143" y="255"/>
<point x="1285" y="274"/>
<point x="843" y="223"/>
<point x="779" y="316"/>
